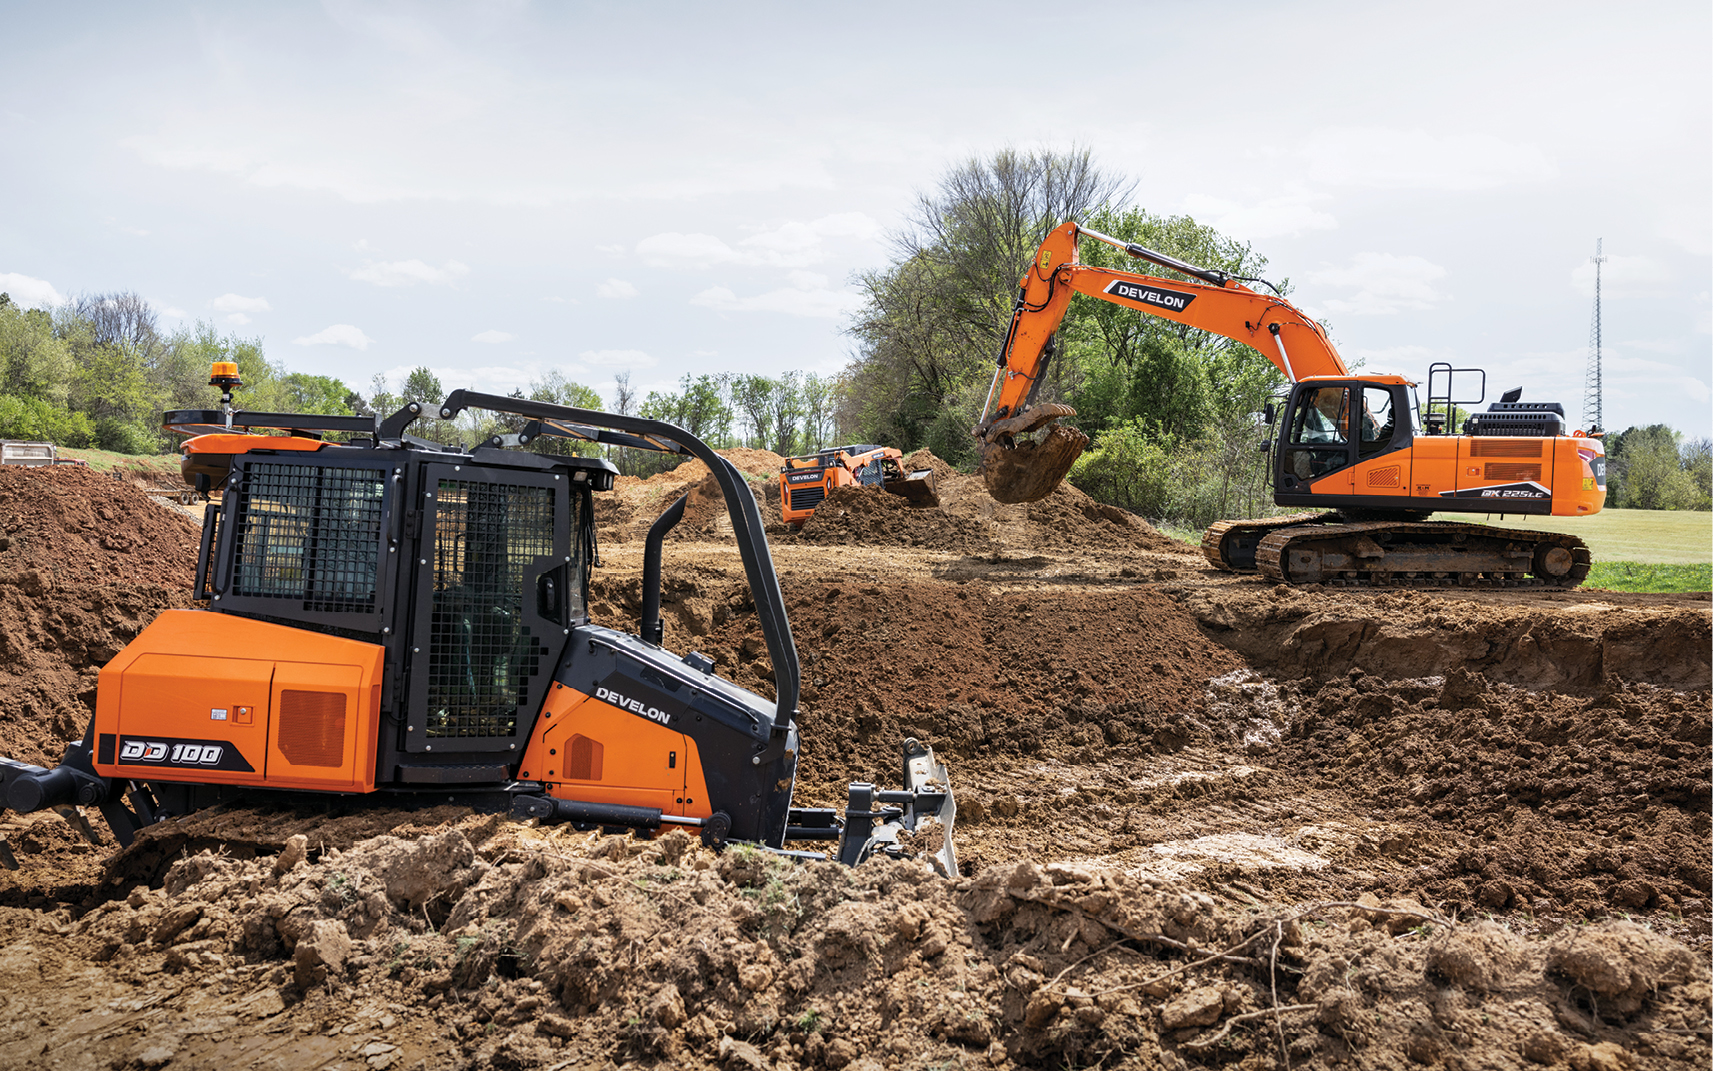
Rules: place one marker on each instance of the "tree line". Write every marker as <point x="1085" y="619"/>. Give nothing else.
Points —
<point x="1171" y="410"/>
<point x="99" y="370"/>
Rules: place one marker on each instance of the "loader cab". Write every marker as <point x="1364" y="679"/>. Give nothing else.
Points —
<point x="1331" y="425"/>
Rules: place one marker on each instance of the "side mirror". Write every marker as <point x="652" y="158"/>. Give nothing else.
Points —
<point x="1268" y="412"/>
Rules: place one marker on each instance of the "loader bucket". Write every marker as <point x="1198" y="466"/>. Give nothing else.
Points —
<point x="919" y="487"/>
<point x="1029" y="471"/>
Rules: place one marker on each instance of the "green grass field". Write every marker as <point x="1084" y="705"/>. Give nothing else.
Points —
<point x="1645" y="536"/>
<point x="107" y="460"/>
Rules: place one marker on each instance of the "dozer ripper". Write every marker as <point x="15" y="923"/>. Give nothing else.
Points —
<point x="1361" y="450"/>
<point x="806" y="480"/>
<point x="393" y="622"/>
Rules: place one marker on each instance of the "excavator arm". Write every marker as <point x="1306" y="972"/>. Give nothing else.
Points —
<point x="1024" y="472"/>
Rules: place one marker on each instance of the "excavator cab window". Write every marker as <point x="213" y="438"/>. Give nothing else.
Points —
<point x="1378" y="420"/>
<point x="1319" y="440"/>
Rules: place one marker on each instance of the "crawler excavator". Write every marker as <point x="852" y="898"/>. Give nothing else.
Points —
<point x="389" y="621"/>
<point x="1362" y="450"/>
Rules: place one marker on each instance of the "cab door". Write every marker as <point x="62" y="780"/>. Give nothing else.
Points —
<point x="1382" y="434"/>
<point x="1317" y="452"/>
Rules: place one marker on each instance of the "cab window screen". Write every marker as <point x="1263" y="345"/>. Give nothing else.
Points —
<point x="310" y="534"/>
<point x="482" y="657"/>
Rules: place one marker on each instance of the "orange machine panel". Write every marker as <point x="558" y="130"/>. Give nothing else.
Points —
<point x="1577" y="492"/>
<point x="322" y="730"/>
<point x="1432" y="466"/>
<point x="214" y="698"/>
<point x="205" y="717"/>
<point x="590" y="750"/>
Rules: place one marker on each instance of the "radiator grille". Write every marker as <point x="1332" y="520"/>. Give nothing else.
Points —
<point x="482" y="657"/>
<point x="1390" y="476"/>
<point x="310" y="534"/>
<point x="807" y="497"/>
<point x="1504" y="448"/>
<point x="312" y="728"/>
<point x="1511" y="470"/>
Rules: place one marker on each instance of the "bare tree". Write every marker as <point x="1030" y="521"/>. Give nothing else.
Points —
<point x="122" y="320"/>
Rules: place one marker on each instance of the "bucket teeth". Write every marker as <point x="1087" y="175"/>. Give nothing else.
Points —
<point x="7" y="859"/>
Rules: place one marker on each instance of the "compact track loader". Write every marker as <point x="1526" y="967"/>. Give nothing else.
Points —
<point x="805" y="481"/>
<point x="393" y="622"/>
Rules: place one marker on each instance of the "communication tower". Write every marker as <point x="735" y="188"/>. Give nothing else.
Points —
<point x="1592" y="415"/>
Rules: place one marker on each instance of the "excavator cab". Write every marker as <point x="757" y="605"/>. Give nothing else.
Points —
<point x="1333" y="426"/>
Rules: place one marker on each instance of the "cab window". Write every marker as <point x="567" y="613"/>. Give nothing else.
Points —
<point x="1377" y="419"/>
<point x="1323" y="418"/>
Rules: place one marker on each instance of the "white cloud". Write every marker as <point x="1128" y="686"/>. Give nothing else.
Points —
<point x="1384" y="283"/>
<point x="492" y="337"/>
<point x="238" y="318"/>
<point x="616" y="288"/>
<point x="618" y="358"/>
<point x="171" y="311"/>
<point x="135" y="232"/>
<point x="408" y="273"/>
<point x="336" y="335"/>
<point x="789" y="245"/>
<point x="29" y="293"/>
<point x="819" y="302"/>
<point x="239" y="303"/>
<point x="1387" y="159"/>
<point x="1275" y="217"/>
<point x="612" y="250"/>
<point x="1621" y="277"/>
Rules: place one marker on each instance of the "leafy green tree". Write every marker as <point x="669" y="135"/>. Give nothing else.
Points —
<point x="1179" y="380"/>
<point x="34" y="361"/>
<point x="1647" y="470"/>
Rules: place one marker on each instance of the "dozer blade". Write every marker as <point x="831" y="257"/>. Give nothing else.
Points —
<point x="919" y="487"/>
<point x="1029" y="471"/>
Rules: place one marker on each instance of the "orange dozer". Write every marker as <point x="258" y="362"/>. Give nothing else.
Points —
<point x="391" y="621"/>
<point x="806" y="480"/>
<point x="1363" y="448"/>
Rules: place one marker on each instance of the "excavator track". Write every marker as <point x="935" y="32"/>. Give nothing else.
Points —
<point x="1231" y="545"/>
<point x="1422" y="554"/>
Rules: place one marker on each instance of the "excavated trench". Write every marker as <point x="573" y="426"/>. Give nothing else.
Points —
<point x="1154" y="763"/>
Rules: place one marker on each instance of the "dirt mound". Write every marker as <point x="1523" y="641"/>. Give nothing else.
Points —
<point x="968" y="519"/>
<point x="870" y="515"/>
<point x="976" y="671"/>
<point x="534" y="949"/>
<point x="69" y="525"/>
<point x="86" y="562"/>
<point x="1578" y="807"/>
<point x="624" y="514"/>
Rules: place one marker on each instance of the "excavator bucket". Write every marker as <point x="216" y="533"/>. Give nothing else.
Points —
<point x="1029" y="471"/>
<point x="919" y="487"/>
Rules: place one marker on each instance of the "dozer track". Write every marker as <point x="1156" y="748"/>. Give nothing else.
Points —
<point x="1231" y="545"/>
<point x="1422" y="554"/>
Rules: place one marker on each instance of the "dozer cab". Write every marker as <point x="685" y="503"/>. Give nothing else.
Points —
<point x="806" y="480"/>
<point x="390" y="621"/>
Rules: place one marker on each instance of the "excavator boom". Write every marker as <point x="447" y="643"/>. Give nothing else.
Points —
<point x="1025" y="471"/>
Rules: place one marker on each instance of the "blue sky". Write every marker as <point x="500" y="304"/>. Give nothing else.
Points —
<point x="495" y="190"/>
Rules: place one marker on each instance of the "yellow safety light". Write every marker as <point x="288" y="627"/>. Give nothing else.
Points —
<point x="224" y="374"/>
